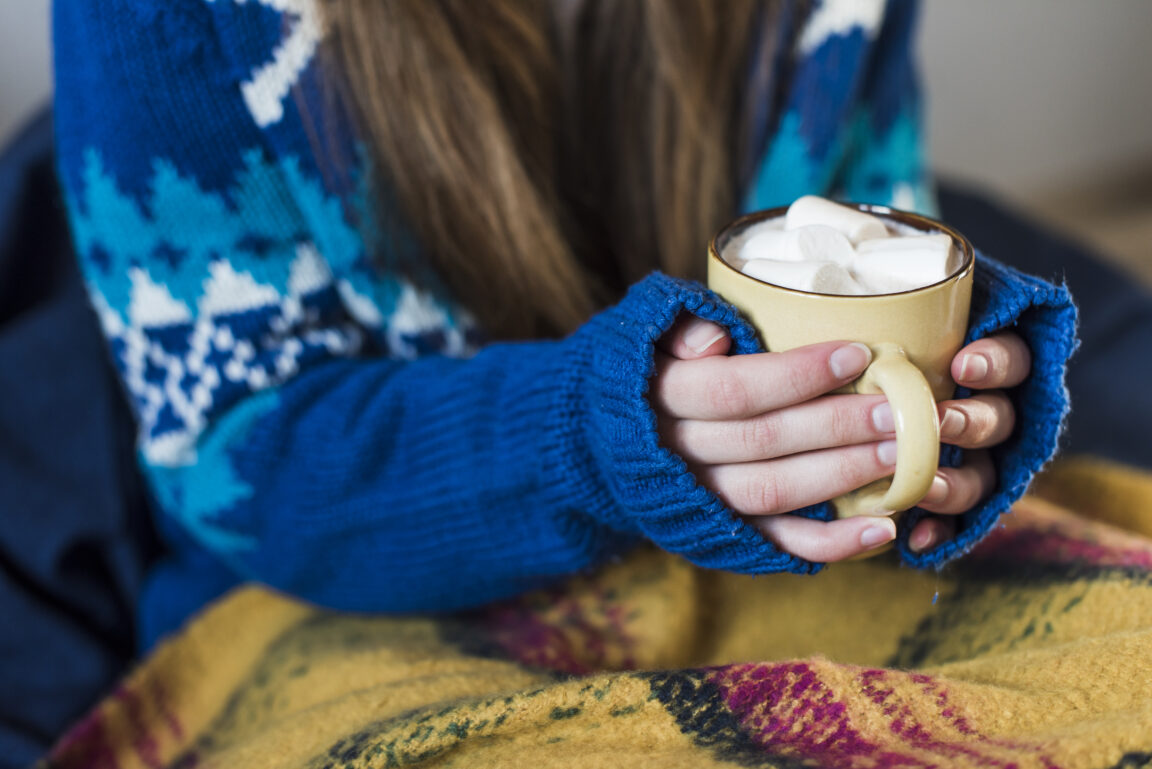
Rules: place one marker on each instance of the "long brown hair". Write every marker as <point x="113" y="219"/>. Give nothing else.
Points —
<point x="546" y="164"/>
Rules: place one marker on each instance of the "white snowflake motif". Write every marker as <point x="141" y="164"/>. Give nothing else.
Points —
<point x="840" y="17"/>
<point x="181" y="369"/>
<point x="265" y="90"/>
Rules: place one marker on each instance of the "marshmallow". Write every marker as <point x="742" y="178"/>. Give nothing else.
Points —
<point x="771" y="244"/>
<point x="879" y="282"/>
<point x="817" y="277"/>
<point x="857" y="225"/>
<point x="905" y="265"/>
<point x="818" y="242"/>
<point x="811" y="243"/>
<point x="936" y="241"/>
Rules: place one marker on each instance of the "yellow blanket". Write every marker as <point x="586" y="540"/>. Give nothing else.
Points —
<point x="1033" y="651"/>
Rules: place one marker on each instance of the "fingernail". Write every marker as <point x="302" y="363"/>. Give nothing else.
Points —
<point x="882" y="418"/>
<point x="702" y="334"/>
<point x="849" y="360"/>
<point x="920" y="540"/>
<point x="886" y="452"/>
<point x="937" y="492"/>
<point x="884" y="530"/>
<point x="953" y="423"/>
<point x="973" y="368"/>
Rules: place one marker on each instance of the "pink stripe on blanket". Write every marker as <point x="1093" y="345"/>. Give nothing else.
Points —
<point x="791" y="710"/>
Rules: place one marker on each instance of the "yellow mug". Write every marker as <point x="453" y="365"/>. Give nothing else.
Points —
<point x="913" y="336"/>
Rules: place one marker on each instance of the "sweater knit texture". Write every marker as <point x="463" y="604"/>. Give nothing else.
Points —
<point x="312" y="421"/>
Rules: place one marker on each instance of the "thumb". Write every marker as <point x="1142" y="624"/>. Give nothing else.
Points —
<point x="691" y="338"/>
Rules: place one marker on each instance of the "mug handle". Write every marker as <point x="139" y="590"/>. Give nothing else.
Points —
<point x="917" y="434"/>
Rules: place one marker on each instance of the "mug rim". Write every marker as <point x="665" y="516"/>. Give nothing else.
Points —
<point x="917" y="221"/>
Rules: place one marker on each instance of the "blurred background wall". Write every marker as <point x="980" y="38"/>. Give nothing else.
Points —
<point x="25" y="62"/>
<point x="1028" y="94"/>
<point x="1049" y="104"/>
<point x="1045" y="102"/>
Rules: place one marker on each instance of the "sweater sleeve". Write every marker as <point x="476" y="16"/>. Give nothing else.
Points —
<point x="443" y="483"/>
<point x="310" y="420"/>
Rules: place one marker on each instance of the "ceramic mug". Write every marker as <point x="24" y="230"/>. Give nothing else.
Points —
<point x="913" y="336"/>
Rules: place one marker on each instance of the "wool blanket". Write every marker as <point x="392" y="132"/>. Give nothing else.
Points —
<point x="1034" y="650"/>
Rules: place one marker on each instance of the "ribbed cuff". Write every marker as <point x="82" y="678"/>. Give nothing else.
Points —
<point x="611" y="447"/>
<point x="1044" y="316"/>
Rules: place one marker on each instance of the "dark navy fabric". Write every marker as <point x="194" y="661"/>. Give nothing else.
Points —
<point x="74" y="542"/>
<point x="1109" y="376"/>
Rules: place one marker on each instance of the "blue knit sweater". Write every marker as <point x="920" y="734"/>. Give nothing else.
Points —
<point x="313" y="422"/>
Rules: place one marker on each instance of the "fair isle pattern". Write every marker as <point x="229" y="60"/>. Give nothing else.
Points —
<point x="209" y="297"/>
<point x="224" y="298"/>
<point x="840" y="17"/>
<point x="265" y="91"/>
<point x="255" y="301"/>
<point x="850" y="127"/>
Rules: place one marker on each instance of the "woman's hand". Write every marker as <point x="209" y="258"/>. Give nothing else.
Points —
<point x="753" y="429"/>
<point x="988" y="366"/>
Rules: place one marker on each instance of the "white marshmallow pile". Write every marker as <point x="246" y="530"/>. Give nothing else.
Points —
<point x="827" y="248"/>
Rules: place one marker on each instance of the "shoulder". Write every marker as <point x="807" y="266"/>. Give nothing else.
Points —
<point x="195" y="83"/>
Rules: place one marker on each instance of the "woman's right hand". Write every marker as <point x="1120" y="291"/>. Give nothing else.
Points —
<point x="753" y="430"/>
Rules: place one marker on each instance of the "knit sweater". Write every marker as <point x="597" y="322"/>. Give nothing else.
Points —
<point x="314" y="422"/>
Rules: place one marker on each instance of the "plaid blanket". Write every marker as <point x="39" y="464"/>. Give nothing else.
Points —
<point x="1035" y="650"/>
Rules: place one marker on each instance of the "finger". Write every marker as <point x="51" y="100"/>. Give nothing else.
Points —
<point x="833" y="420"/>
<point x="691" y="337"/>
<point x="979" y="422"/>
<point x="789" y="483"/>
<point x="740" y="386"/>
<point x="930" y="532"/>
<point x="826" y="541"/>
<point x="957" y="490"/>
<point x="1002" y="360"/>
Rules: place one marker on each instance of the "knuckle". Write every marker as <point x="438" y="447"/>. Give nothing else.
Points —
<point x="761" y="436"/>
<point x="764" y="493"/>
<point x="797" y="381"/>
<point x="850" y="472"/>
<point x="981" y="427"/>
<point x="966" y="487"/>
<point x="989" y="419"/>
<point x="1009" y="356"/>
<point x="854" y="472"/>
<point x="728" y="395"/>
<point x="843" y="423"/>
<point x="998" y="356"/>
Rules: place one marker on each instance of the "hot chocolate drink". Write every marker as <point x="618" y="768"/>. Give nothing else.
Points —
<point x="826" y="248"/>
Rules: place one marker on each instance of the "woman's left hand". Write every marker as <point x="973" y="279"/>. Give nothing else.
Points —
<point x="987" y="366"/>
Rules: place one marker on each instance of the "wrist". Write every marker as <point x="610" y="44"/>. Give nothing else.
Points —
<point x="635" y="484"/>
